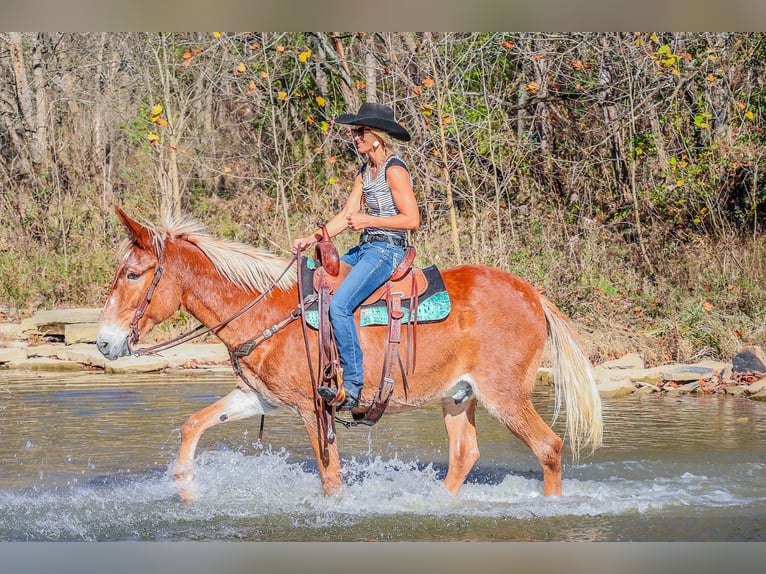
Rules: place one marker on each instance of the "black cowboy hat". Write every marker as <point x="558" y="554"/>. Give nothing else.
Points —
<point x="376" y="116"/>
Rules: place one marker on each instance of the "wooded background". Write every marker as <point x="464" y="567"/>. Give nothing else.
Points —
<point x="618" y="172"/>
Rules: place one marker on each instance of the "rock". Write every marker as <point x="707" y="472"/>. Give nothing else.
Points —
<point x="12" y="355"/>
<point x="684" y="373"/>
<point x="749" y="359"/>
<point x="629" y="361"/>
<point x="55" y="322"/>
<point x="759" y="396"/>
<point x="605" y="375"/>
<point x="125" y="365"/>
<point x="756" y="387"/>
<point x="80" y="333"/>
<point x="84" y="354"/>
<point x="45" y="364"/>
<point x="616" y="389"/>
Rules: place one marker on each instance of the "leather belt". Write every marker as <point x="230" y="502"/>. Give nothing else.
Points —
<point x="383" y="238"/>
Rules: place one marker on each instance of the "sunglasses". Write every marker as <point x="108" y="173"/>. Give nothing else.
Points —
<point x="358" y="132"/>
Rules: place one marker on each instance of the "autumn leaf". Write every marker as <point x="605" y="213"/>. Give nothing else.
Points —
<point x="162" y="122"/>
<point x="577" y="64"/>
<point x="304" y="56"/>
<point x="157" y="110"/>
<point x="264" y="75"/>
<point x="447" y="119"/>
<point x="227" y="169"/>
<point x="426" y="109"/>
<point x="324" y="126"/>
<point x="749" y="114"/>
<point x="508" y="44"/>
<point x="707" y="305"/>
<point x="428" y="83"/>
<point x="217" y="34"/>
<point x="282" y="96"/>
<point x="152" y="137"/>
<point x="280" y="49"/>
<point x="532" y="87"/>
<point x="241" y="68"/>
<point x="417" y="90"/>
<point x="321" y="101"/>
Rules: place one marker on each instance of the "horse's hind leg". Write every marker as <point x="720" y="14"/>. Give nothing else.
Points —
<point x="522" y="420"/>
<point x="235" y="406"/>
<point x="463" y="446"/>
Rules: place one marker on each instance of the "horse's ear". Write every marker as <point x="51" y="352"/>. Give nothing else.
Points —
<point x="137" y="233"/>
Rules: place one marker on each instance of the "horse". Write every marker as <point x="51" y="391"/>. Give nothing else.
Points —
<point x="491" y="344"/>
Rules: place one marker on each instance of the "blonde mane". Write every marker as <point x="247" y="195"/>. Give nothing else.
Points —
<point x="248" y="267"/>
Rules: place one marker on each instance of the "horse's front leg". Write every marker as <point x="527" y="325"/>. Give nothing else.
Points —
<point x="235" y="406"/>
<point x="328" y="459"/>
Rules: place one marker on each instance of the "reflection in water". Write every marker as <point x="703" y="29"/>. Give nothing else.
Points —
<point x="88" y="457"/>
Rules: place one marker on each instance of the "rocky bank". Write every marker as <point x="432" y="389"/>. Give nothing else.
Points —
<point x="65" y="340"/>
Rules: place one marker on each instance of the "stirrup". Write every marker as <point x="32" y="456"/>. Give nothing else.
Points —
<point x="333" y="396"/>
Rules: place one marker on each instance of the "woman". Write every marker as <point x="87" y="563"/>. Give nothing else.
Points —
<point x="383" y="182"/>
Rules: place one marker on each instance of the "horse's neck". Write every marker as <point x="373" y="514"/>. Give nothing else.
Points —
<point x="212" y="306"/>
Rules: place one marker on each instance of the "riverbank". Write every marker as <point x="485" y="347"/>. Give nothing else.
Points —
<point x="65" y="341"/>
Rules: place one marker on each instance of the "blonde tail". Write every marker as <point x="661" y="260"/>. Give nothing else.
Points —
<point x="573" y="378"/>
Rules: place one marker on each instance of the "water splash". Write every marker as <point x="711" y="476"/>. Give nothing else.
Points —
<point x="269" y="496"/>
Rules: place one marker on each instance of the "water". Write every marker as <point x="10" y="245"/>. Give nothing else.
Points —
<point x="88" y="457"/>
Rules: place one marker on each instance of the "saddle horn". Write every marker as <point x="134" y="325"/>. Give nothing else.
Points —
<point x="326" y="253"/>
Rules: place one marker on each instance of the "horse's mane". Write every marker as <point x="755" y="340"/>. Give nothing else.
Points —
<point x="248" y="267"/>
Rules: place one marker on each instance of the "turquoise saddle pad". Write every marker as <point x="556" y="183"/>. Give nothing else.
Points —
<point x="433" y="305"/>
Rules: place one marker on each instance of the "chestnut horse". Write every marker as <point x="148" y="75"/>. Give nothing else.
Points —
<point x="490" y="345"/>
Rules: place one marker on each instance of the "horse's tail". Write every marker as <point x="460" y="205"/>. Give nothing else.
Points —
<point x="573" y="378"/>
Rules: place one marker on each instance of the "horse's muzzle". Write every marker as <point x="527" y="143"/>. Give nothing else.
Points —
<point x="113" y="344"/>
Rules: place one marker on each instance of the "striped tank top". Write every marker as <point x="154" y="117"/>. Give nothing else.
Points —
<point x="379" y="199"/>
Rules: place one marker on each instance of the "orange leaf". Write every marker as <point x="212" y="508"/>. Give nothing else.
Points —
<point x="508" y="44"/>
<point x="577" y="64"/>
<point x="417" y="90"/>
<point x="532" y="87"/>
<point x="428" y="83"/>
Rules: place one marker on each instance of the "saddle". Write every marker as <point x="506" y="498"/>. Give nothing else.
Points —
<point x="406" y="282"/>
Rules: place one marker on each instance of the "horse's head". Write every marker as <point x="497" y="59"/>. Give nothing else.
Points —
<point x="138" y="298"/>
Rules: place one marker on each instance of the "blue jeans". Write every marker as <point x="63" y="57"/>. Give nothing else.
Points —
<point x="372" y="264"/>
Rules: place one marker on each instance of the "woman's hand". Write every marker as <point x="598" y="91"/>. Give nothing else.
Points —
<point x="303" y="243"/>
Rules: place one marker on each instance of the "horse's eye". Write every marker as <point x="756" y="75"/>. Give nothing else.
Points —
<point x="133" y="276"/>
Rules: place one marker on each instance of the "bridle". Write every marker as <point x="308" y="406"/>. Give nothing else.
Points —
<point x="141" y="309"/>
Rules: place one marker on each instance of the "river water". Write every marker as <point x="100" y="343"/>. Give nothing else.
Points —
<point x="88" y="457"/>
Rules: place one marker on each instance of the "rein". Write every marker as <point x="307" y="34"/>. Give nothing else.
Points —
<point x="200" y="329"/>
